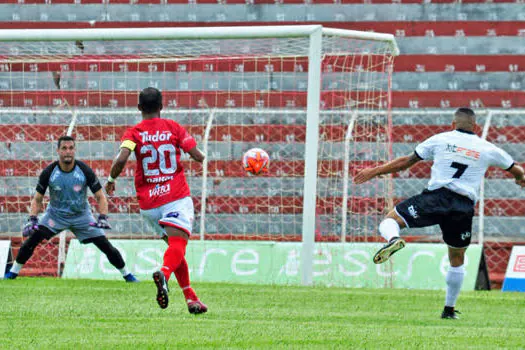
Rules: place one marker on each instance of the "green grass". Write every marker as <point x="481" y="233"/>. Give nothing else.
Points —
<point x="52" y="313"/>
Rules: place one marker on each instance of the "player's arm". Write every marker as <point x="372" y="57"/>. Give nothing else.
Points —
<point x="187" y="143"/>
<point x="102" y="202"/>
<point x="119" y="163"/>
<point x="394" y="166"/>
<point x="37" y="204"/>
<point x="518" y="173"/>
<point x="423" y="151"/>
<point x="501" y="159"/>
<point x="36" y="207"/>
<point x="96" y="188"/>
<point x="196" y="154"/>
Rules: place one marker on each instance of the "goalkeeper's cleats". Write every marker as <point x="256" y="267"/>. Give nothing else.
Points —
<point x="130" y="278"/>
<point x="196" y="307"/>
<point x="10" y="276"/>
<point x="162" y="289"/>
<point x="450" y="313"/>
<point x="388" y="249"/>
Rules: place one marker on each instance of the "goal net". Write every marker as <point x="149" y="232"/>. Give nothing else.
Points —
<point x="298" y="92"/>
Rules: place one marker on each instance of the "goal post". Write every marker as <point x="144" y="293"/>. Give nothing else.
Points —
<point x="305" y="93"/>
<point x="311" y="155"/>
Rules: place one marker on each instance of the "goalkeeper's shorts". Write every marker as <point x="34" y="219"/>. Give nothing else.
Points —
<point x="78" y="224"/>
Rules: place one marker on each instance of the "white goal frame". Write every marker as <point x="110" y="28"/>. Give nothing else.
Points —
<point x="313" y="32"/>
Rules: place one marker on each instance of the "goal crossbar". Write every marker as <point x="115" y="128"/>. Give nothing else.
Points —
<point x="170" y="33"/>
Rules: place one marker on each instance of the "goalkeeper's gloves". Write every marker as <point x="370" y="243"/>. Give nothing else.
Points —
<point x="31" y="226"/>
<point x="102" y="222"/>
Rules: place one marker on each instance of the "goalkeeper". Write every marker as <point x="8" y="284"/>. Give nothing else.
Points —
<point x="68" y="209"/>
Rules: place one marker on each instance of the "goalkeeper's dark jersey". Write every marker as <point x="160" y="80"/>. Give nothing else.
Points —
<point x="68" y="190"/>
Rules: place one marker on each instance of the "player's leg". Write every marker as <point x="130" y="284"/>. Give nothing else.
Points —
<point x="454" y="278"/>
<point x="113" y="255"/>
<point x="417" y="211"/>
<point x="27" y="249"/>
<point x="195" y="306"/>
<point x="152" y="217"/>
<point x="177" y="220"/>
<point x="81" y="228"/>
<point x="389" y="229"/>
<point x="177" y="241"/>
<point x="457" y="235"/>
<point x="175" y="261"/>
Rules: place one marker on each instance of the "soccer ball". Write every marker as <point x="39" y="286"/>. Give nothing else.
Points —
<point x="256" y="161"/>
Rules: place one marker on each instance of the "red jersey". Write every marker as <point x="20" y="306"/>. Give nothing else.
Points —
<point x="159" y="178"/>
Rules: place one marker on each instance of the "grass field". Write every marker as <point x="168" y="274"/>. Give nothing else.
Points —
<point x="41" y="313"/>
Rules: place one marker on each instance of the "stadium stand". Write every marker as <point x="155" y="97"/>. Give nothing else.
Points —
<point x="454" y="53"/>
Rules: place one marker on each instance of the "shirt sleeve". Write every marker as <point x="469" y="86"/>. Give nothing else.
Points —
<point x="427" y="148"/>
<point x="43" y="179"/>
<point x="128" y="140"/>
<point x="501" y="159"/>
<point x="91" y="179"/>
<point x="184" y="140"/>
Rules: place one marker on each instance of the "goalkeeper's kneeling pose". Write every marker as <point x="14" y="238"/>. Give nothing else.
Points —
<point x="68" y="209"/>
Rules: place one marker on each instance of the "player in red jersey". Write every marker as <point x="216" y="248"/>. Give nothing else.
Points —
<point x="162" y="191"/>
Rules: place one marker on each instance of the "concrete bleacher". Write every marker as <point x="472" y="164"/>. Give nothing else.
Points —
<point x="235" y="190"/>
<point x="464" y="81"/>
<point x="206" y="12"/>
<point x="453" y="54"/>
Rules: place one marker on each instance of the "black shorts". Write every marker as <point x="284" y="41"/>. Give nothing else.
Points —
<point x="451" y="211"/>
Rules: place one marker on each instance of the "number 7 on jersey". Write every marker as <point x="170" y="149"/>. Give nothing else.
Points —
<point x="460" y="169"/>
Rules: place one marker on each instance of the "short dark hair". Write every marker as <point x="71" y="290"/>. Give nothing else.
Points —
<point x="465" y="111"/>
<point x="150" y="100"/>
<point x="65" y="138"/>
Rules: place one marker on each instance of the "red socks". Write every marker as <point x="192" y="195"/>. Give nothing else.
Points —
<point x="174" y="261"/>
<point x="183" y="277"/>
<point x="173" y="255"/>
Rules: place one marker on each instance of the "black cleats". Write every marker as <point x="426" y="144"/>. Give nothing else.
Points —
<point x="450" y="313"/>
<point x="162" y="289"/>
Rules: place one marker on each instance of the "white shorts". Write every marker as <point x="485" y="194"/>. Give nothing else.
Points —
<point x="178" y="214"/>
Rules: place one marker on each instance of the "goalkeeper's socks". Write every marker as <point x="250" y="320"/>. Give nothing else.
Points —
<point x="124" y="271"/>
<point x="173" y="255"/>
<point x="389" y="228"/>
<point x="16" y="267"/>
